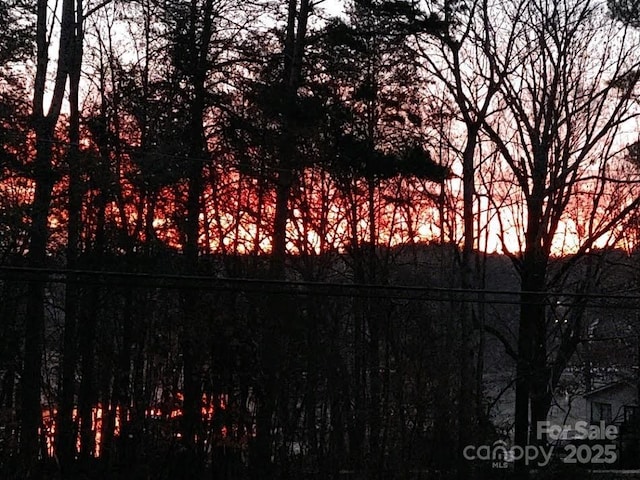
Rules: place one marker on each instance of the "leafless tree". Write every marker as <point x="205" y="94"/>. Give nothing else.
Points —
<point x="568" y="74"/>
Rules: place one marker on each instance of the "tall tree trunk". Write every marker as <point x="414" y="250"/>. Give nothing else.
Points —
<point x="273" y="357"/>
<point x="31" y="412"/>
<point x="44" y="128"/>
<point x="121" y="394"/>
<point x="87" y="396"/>
<point x="192" y="344"/>
<point x="531" y="333"/>
<point x="373" y="323"/>
<point x="357" y="424"/>
<point x="66" y="443"/>
<point x="468" y="333"/>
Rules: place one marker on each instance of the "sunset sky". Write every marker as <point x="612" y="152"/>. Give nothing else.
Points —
<point x="240" y="240"/>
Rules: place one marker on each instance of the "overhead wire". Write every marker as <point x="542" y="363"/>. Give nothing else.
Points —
<point x="314" y="288"/>
<point x="144" y="279"/>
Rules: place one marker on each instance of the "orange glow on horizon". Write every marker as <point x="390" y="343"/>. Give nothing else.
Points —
<point x="238" y="216"/>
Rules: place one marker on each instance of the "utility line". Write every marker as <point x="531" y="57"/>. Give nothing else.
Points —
<point x="287" y="287"/>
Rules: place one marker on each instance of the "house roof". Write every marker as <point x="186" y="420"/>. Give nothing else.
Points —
<point x="610" y="386"/>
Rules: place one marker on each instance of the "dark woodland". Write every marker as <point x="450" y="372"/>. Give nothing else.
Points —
<point x="314" y="239"/>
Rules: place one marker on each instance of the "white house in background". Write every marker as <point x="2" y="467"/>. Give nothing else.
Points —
<point x="612" y="404"/>
<point x="615" y="403"/>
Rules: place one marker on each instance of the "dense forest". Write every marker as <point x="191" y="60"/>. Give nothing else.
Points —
<point x="309" y="238"/>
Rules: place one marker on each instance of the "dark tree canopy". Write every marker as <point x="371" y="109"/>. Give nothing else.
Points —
<point x="255" y="241"/>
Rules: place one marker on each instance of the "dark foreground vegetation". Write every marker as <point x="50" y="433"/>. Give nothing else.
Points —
<point x="346" y="381"/>
<point x="253" y="239"/>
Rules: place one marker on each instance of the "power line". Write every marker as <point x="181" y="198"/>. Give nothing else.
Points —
<point x="301" y="287"/>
